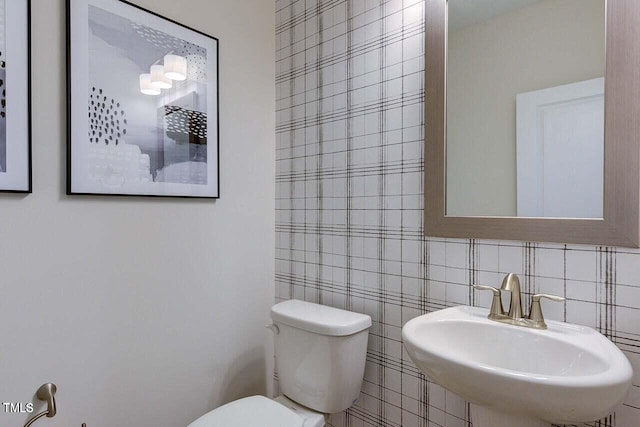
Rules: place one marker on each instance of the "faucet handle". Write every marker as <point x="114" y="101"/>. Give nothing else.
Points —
<point x="496" y="304"/>
<point x="495" y="291"/>
<point x="535" y="314"/>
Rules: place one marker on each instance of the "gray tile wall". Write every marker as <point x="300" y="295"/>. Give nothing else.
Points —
<point x="349" y="161"/>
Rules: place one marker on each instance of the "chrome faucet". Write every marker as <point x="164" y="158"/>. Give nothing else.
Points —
<point x="511" y="283"/>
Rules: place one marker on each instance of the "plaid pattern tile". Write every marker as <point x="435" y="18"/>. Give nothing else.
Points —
<point x="349" y="168"/>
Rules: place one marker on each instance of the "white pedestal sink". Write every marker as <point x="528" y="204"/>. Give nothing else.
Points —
<point x="516" y="376"/>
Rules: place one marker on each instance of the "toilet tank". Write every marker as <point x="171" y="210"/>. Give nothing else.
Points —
<point x="320" y="354"/>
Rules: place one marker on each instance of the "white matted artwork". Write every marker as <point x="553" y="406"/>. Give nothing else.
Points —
<point x="15" y="129"/>
<point x="143" y="103"/>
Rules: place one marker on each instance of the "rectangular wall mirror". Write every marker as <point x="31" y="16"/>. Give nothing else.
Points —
<point x="532" y="120"/>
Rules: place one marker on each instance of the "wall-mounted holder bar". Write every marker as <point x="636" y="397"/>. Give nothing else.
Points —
<point x="45" y="393"/>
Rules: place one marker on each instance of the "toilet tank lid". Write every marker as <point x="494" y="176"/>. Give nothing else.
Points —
<point x="319" y="319"/>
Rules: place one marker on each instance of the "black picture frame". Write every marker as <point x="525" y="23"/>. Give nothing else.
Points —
<point x="192" y="119"/>
<point x="16" y="169"/>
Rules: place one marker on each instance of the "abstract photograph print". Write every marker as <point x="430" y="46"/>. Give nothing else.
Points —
<point x="15" y="130"/>
<point x="143" y="103"/>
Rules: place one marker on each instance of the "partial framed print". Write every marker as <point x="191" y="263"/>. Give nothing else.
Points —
<point x="15" y="91"/>
<point x="142" y="103"/>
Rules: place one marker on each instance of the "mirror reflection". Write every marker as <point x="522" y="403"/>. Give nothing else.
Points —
<point x="525" y="108"/>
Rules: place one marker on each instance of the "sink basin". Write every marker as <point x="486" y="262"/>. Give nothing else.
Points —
<point x="564" y="374"/>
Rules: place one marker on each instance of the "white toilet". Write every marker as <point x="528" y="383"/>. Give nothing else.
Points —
<point x="320" y="357"/>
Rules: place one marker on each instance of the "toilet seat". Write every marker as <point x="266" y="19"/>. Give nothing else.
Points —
<point x="253" y="411"/>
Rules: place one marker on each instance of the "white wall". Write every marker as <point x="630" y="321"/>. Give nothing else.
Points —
<point x="145" y="312"/>
<point x="547" y="44"/>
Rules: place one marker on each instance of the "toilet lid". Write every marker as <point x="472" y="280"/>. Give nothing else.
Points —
<point x="253" y="411"/>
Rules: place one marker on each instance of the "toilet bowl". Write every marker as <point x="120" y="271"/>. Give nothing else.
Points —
<point x="320" y="357"/>
<point x="259" y="411"/>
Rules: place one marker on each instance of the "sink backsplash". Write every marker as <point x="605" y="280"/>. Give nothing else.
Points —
<point x="349" y="164"/>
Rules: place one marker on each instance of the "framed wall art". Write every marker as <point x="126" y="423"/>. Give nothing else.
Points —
<point x="142" y="103"/>
<point x="15" y="96"/>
